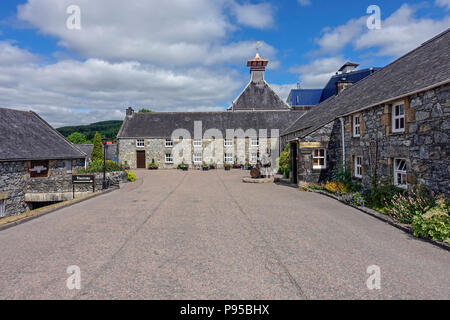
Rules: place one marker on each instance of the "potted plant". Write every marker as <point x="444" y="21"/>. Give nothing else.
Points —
<point x="153" y="165"/>
<point x="227" y="166"/>
<point x="247" y="166"/>
<point x="183" y="166"/>
<point x="237" y="166"/>
<point x="212" y="166"/>
<point x="205" y="167"/>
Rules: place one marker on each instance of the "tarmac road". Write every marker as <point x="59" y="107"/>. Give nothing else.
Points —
<point x="207" y="235"/>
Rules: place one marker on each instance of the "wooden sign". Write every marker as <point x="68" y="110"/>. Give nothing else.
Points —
<point x="310" y="144"/>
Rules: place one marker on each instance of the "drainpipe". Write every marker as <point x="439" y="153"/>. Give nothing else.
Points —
<point x="343" y="141"/>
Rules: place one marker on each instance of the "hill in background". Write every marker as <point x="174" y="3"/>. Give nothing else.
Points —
<point x="107" y="129"/>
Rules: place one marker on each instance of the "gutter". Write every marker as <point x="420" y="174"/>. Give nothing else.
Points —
<point x="343" y="141"/>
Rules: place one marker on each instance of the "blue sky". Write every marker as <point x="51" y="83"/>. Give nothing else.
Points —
<point x="189" y="55"/>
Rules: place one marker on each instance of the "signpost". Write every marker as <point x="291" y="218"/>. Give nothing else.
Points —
<point x="82" y="179"/>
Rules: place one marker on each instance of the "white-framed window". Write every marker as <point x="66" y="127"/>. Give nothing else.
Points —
<point x="2" y="208"/>
<point x="255" y="142"/>
<point x="358" y="167"/>
<point x="140" y="143"/>
<point x="228" y="142"/>
<point x="319" y="159"/>
<point x="198" y="157"/>
<point x="400" y="173"/>
<point x="197" y="142"/>
<point x="169" y="143"/>
<point x="68" y="164"/>
<point x="356" y="126"/>
<point x="169" y="158"/>
<point x="228" y="158"/>
<point x="254" y="157"/>
<point x="398" y="117"/>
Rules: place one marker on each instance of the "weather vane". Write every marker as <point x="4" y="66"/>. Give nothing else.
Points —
<point x="259" y="45"/>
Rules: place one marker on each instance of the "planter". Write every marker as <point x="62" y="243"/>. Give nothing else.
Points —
<point x="153" y="168"/>
<point x="205" y="168"/>
<point x="237" y="166"/>
<point x="185" y="168"/>
<point x="227" y="168"/>
<point x="212" y="167"/>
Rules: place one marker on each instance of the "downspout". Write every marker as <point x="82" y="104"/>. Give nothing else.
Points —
<point x="343" y="141"/>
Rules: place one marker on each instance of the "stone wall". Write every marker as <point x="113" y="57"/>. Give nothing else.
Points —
<point x="424" y="144"/>
<point x="182" y="151"/>
<point x="13" y="177"/>
<point x="17" y="187"/>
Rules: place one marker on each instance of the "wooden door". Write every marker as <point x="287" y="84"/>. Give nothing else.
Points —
<point x="140" y="157"/>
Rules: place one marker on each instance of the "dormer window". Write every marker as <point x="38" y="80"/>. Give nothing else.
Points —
<point x="197" y="142"/>
<point x="398" y="117"/>
<point x="169" y="143"/>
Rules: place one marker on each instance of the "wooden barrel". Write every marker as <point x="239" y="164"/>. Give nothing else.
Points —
<point x="255" y="173"/>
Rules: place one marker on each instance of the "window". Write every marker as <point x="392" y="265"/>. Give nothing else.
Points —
<point x="2" y="209"/>
<point x="68" y="166"/>
<point x="255" y="142"/>
<point x="358" y="167"/>
<point x="254" y="157"/>
<point x="39" y="169"/>
<point x="228" y="158"/>
<point x="197" y="142"/>
<point x="319" y="161"/>
<point x="169" y="158"/>
<point x="198" y="157"/>
<point x="169" y="143"/>
<point x="398" y="117"/>
<point x="356" y="126"/>
<point x="228" y="142"/>
<point x="400" y="174"/>
<point x="140" y="143"/>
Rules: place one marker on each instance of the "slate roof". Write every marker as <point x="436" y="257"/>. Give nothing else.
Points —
<point x="424" y="67"/>
<point x="86" y="148"/>
<point x="258" y="96"/>
<point x="161" y="125"/>
<point x="312" y="97"/>
<point x="26" y="136"/>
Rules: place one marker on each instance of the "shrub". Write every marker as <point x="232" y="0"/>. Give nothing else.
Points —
<point x="97" y="151"/>
<point x="131" y="176"/>
<point x="403" y="208"/>
<point x="284" y="164"/>
<point x="153" y="165"/>
<point x="381" y="193"/>
<point x="335" y="187"/>
<point x="97" y="166"/>
<point x="183" y="164"/>
<point x="354" y="198"/>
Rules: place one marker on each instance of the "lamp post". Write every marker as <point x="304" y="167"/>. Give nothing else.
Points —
<point x="104" y="164"/>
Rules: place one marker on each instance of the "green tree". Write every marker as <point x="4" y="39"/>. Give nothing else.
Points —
<point x="77" y="138"/>
<point x="97" y="152"/>
<point x="143" y="110"/>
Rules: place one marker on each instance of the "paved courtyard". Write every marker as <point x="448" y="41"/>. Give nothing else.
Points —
<point x="206" y="235"/>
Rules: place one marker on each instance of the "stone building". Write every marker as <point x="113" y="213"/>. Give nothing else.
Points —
<point x="36" y="162"/>
<point x="249" y="128"/>
<point x="394" y="125"/>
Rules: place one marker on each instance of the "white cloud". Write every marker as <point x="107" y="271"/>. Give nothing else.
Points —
<point x="317" y="73"/>
<point x="304" y="3"/>
<point x="176" y="32"/>
<point x="443" y="3"/>
<point x="70" y="92"/>
<point x="254" y="15"/>
<point x="399" y="33"/>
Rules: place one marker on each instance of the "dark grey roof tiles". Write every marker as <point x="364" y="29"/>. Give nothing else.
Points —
<point x="258" y="96"/>
<point x="426" y="66"/>
<point x="86" y="148"/>
<point x="26" y="136"/>
<point x="162" y="125"/>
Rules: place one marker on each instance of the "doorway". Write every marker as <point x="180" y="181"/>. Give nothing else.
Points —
<point x="140" y="159"/>
<point x="294" y="162"/>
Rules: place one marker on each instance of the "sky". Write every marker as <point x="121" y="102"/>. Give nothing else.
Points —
<point x="189" y="55"/>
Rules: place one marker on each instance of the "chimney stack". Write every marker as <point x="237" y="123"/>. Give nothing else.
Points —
<point x="257" y="68"/>
<point x="129" y="111"/>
